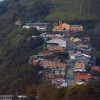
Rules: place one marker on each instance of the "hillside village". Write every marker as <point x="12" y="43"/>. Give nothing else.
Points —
<point x="66" y="58"/>
<point x="50" y="50"/>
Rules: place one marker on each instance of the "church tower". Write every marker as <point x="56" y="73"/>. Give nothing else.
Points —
<point x="60" y="24"/>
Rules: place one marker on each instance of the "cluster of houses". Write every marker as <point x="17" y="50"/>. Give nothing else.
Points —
<point x="78" y="48"/>
<point x="54" y="70"/>
<point x="84" y="63"/>
<point x="47" y="26"/>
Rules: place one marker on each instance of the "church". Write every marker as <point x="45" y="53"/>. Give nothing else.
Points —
<point x="67" y="27"/>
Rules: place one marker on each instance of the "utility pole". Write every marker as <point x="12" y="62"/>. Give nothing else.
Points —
<point x="89" y="7"/>
<point x="80" y="9"/>
<point x="45" y="42"/>
<point x="16" y="93"/>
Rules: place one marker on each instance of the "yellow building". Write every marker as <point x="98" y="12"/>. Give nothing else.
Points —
<point x="76" y="28"/>
<point x="67" y="27"/>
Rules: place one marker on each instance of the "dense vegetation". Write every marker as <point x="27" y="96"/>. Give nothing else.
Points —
<point x="59" y="55"/>
<point x="16" y="44"/>
<point x="15" y="53"/>
<point x="85" y="92"/>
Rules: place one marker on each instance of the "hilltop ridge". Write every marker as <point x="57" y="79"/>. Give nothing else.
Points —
<point x="52" y="9"/>
<point x="74" y="9"/>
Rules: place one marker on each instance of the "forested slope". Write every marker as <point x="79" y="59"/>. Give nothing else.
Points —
<point x="15" y="47"/>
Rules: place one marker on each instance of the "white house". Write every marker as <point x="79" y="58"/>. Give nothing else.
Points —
<point x="76" y="40"/>
<point x="64" y="84"/>
<point x="39" y="26"/>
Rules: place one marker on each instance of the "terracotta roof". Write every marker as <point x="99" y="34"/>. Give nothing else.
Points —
<point x="79" y="42"/>
<point x="95" y="68"/>
<point x="83" y="75"/>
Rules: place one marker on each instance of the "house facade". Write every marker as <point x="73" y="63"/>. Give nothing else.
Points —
<point x="67" y="27"/>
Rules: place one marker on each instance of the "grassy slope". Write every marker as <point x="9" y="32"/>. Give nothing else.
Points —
<point x="69" y="10"/>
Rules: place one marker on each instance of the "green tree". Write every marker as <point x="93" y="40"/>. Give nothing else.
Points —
<point x="83" y="92"/>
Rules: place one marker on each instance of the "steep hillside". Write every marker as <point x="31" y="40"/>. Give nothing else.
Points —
<point x="15" y="48"/>
<point x="74" y="9"/>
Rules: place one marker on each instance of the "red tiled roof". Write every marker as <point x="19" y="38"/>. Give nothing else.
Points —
<point x="95" y="68"/>
<point x="65" y="35"/>
<point x="83" y="75"/>
<point x="79" y="42"/>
